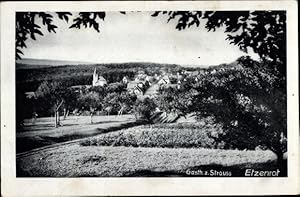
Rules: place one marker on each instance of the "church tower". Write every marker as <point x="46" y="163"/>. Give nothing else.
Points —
<point x="95" y="77"/>
<point x="98" y="80"/>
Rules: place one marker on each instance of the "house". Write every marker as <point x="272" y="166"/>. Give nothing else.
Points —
<point x="135" y="87"/>
<point x="172" y="86"/>
<point x="98" y="80"/>
<point x="195" y="73"/>
<point x="179" y="76"/>
<point x="152" y="90"/>
<point x="125" y="80"/>
<point x="188" y="73"/>
<point x="213" y="71"/>
<point x="164" y="80"/>
<point x="80" y="88"/>
<point x="178" y="84"/>
<point x="141" y="76"/>
<point x="156" y="77"/>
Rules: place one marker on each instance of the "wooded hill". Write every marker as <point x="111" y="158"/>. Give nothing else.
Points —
<point x="30" y="76"/>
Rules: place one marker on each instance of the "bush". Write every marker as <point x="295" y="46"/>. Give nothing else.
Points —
<point x="144" y="109"/>
<point x="184" y="135"/>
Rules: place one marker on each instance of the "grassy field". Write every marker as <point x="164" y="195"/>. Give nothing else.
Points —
<point x="144" y="151"/>
<point x="84" y="161"/>
<point x="42" y="132"/>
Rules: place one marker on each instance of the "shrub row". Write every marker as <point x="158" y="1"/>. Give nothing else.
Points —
<point x="162" y="135"/>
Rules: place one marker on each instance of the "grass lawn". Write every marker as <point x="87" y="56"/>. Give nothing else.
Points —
<point x="42" y="132"/>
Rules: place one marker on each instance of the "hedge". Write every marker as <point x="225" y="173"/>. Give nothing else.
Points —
<point x="161" y="135"/>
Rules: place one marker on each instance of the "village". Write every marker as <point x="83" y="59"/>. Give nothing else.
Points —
<point x="101" y="97"/>
<point x="145" y="85"/>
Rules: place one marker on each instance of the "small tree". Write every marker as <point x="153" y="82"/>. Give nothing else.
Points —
<point x="116" y="87"/>
<point x="100" y="90"/>
<point x="91" y="102"/>
<point x="52" y="94"/>
<point x="71" y="101"/>
<point x="145" y="109"/>
<point x="119" y="102"/>
<point x="176" y="100"/>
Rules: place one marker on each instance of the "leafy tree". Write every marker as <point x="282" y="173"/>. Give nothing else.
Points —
<point x="70" y="101"/>
<point x="176" y="100"/>
<point x="145" y="108"/>
<point x="24" y="108"/>
<point x="100" y="90"/>
<point x="262" y="31"/>
<point x="116" y="87"/>
<point x="119" y="102"/>
<point x="91" y="102"/>
<point x="249" y="103"/>
<point x="52" y="95"/>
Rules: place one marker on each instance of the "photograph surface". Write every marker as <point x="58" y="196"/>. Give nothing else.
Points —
<point x="199" y="93"/>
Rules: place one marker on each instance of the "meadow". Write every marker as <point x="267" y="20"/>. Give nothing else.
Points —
<point x="41" y="132"/>
<point x="74" y="160"/>
<point x="149" y="150"/>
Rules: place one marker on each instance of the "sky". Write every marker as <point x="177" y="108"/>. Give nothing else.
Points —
<point x="134" y="37"/>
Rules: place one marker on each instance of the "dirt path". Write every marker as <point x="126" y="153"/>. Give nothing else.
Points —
<point x="42" y="132"/>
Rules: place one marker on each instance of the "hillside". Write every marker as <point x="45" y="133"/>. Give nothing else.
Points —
<point x="30" y="72"/>
<point x="28" y="63"/>
<point x="234" y="64"/>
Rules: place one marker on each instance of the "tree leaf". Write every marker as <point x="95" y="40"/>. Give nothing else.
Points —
<point x="73" y="26"/>
<point x="38" y="32"/>
<point x="155" y="13"/>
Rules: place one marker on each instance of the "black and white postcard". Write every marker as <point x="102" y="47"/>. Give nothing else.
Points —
<point x="130" y="98"/>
